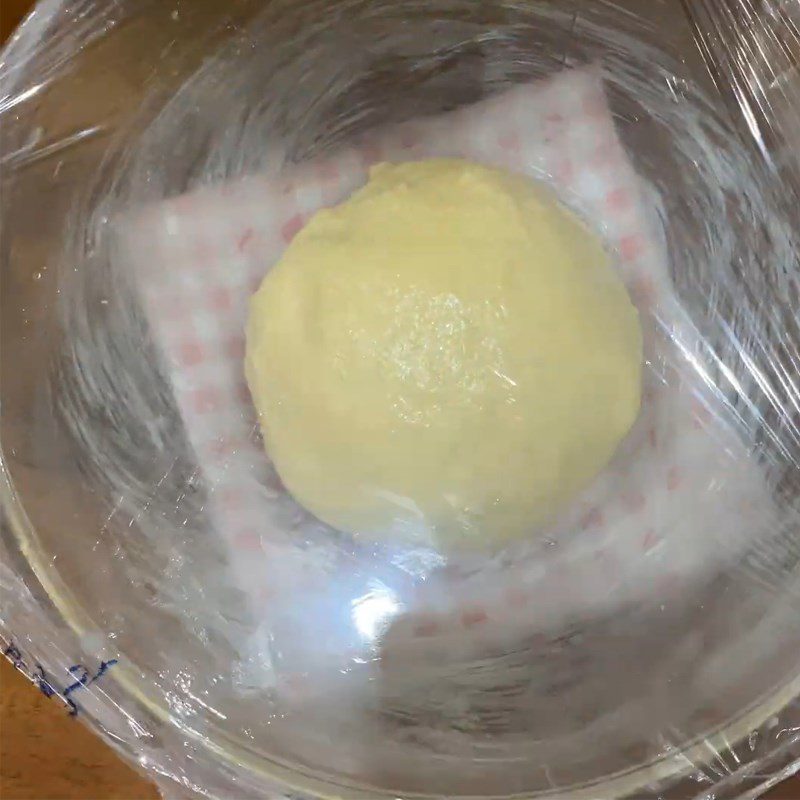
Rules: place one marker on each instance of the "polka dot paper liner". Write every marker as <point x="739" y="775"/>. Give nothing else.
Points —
<point x="644" y="528"/>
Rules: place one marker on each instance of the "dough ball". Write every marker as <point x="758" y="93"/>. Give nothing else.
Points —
<point x="448" y="356"/>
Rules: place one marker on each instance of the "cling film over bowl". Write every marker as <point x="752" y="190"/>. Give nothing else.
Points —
<point x="161" y="575"/>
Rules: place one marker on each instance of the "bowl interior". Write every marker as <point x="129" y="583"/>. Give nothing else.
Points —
<point x="166" y="101"/>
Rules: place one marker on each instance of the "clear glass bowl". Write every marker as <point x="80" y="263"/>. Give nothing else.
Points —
<point x="654" y="694"/>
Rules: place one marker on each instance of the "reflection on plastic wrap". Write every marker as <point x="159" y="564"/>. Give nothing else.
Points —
<point x="645" y="642"/>
<point x="762" y="92"/>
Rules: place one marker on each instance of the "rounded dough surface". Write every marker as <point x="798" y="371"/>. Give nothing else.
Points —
<point x="448" y="356"/>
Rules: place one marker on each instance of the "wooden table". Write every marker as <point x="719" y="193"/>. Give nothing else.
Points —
<point x="47" y="755"/>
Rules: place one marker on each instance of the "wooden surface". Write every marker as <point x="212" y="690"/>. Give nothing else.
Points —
<point x="11" y="11"/>
<point x="46" y="754"/>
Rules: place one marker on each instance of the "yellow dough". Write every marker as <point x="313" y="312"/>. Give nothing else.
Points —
<point x="448" y="356"/>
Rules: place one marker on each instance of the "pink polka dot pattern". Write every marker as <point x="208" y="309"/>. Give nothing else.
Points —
<point x="473" y="617"/>
<point x="248" y="540"/>
<point x="190" y="353"/>
<point x="509" y="141"/>
<point x="291" y="228"/>
<point x="220" y="242"/>
<point x="246" y="238"/>
<point x="206" y="400"/>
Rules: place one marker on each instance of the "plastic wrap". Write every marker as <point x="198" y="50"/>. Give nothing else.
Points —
<point x="158" y="580"/>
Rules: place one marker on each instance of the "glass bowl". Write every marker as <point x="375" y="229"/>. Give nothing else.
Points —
<point x="110" y="551"/>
